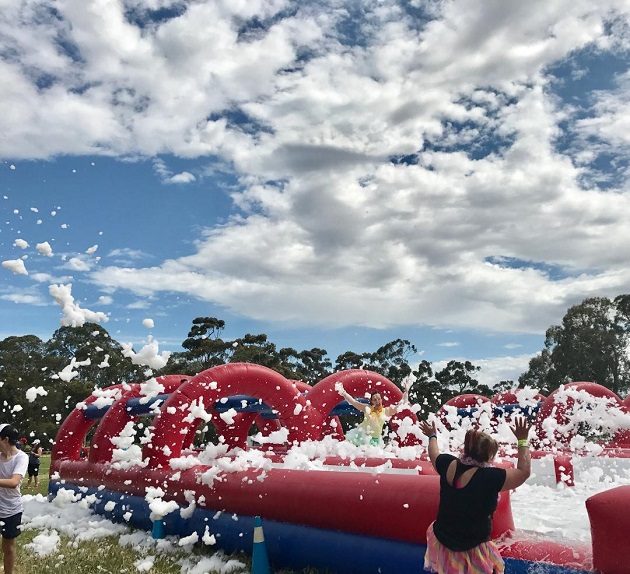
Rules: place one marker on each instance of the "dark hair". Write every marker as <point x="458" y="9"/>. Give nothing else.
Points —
<point x="10" y="433"/>
<point x="480" y="446"/>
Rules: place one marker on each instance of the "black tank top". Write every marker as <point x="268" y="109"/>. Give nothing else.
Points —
<point x="465" y="514"/>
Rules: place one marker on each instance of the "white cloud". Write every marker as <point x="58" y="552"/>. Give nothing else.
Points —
<point x="494" y="369"/>
<point x="127" y="256"/>
<point x="332" y="232"/>
<point x="79" y="264"/>
<point x="105" y="300"/>
<point x="167" y="176"/>
<point x="183" y="177"/>
<point x="448" y="344"/>
<point x="24" y="298"/>
<point x="140" y="304"/>
<point x="48" y="278"/>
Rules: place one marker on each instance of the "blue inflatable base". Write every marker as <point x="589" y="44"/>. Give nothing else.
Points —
<point x="288" y="545"/>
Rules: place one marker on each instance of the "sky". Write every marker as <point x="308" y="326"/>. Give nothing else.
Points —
<point x="332" y="173"/>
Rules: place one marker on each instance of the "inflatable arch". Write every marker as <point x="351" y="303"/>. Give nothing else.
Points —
<point x="327" y="522"/>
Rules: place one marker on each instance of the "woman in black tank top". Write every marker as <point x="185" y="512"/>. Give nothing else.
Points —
<point x="458" y="542"/>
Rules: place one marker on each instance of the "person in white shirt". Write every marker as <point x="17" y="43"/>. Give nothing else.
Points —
<point x="13" y="465"/>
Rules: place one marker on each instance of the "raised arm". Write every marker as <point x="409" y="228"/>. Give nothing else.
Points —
<point x="392" y="409"/>
<point x="514" y="477"/>
<point x="356" y="404"/>
<point x="430" y="431"/>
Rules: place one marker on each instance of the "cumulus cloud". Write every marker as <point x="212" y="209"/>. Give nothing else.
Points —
<point x="406" y="172"/>
<point x="24" y="299"/>
<point x="127" y="256"/>
<point x="183" y="177"/>
<point x="495" y="369"/>
<point x="167" y="176"/>
<point x="79" y="264"/>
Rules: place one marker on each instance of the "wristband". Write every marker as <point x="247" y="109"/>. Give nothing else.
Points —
<point x="432" y="436"/>
<point x="522" y="442"/>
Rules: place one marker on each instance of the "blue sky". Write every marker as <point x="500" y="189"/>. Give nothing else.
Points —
<point x="332" y="174"/>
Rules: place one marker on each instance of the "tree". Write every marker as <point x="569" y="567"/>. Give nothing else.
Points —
<point x="349" y="360"/>
<point x="425" y="390"/>
<point x="205" y="349"/>
<point x="308" y="366"/>
<point x="457" y="379"/>
<point x="107" y="365"/>
<point x="590" y="345"/>
<point x="537" y="374"/>
<point x="204" y="346"/>
<point x="392" y="360"/>
<point x="24" y="365"/>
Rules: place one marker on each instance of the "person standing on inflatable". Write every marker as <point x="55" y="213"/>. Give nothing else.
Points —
<point x="13" y="465"/>
<point x="458" y="542"/>
<point x="375" y="415"/>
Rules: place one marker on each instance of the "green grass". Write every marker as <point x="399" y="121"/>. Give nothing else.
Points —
<point x="103" y="556"/>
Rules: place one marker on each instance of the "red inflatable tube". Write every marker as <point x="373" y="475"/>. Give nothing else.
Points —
<point x="117" y="416"/>
<point x="323" y="397"/>
<point x="609" y="514"/>
<point x="392" y="506"/>
<point x="574" y="556"/>
<point x="72" y="433"/>
<point x="213" y="384"/>
<point x="563" y="469"/>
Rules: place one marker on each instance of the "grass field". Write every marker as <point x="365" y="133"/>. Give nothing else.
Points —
<point x="103" y="556"/>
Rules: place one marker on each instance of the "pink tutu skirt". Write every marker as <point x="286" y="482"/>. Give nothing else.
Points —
<point x="482" y="559"/>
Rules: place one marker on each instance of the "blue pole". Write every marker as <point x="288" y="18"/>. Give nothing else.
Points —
<point x="260" y="560"/>
<point x="158" y="529"/>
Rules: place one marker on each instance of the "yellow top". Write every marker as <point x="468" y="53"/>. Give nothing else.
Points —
<point x="372" y="424"/>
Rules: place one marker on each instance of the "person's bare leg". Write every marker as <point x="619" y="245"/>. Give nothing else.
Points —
<point x="36" y="481"/>
<point x="8" y="554"/>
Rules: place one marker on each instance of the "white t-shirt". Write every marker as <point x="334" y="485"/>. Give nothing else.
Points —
<point x="11" y="498"/>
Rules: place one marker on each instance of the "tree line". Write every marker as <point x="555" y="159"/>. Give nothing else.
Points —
<point x="591" y="343"/>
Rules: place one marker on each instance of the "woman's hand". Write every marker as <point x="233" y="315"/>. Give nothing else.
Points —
<point x="340" y="389"/>
<point x="521" y="427"/>
<point x="428" y="429"/>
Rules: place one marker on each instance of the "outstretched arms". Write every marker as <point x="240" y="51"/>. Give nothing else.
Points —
<point x="393" y="409"/>
<point x="430" y="431"/>
<point x="356" y="404"/>
<point x="514" y="477"/>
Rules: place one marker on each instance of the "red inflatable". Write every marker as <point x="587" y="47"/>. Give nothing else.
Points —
<point x="609" y="513"/>
<point x="552" y="408"/>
